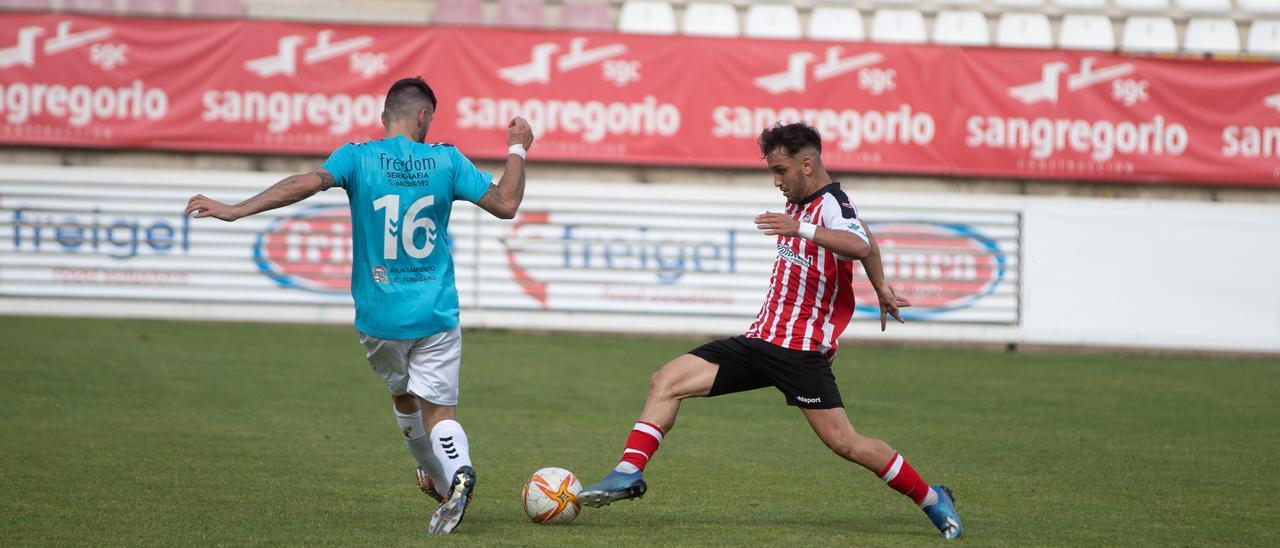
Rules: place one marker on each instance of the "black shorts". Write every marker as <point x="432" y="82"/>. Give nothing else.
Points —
<point x="804" y="377"/>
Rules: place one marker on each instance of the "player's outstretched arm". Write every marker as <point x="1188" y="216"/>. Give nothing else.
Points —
<point x="890" y="302"/>
<point x="290" y="190"/>
<point x="503" y="199"/>
<point x="844" y="244"/>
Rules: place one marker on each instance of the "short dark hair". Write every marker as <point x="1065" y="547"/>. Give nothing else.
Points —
<point x="792" y="138"/>
<point x="408" y="95"/>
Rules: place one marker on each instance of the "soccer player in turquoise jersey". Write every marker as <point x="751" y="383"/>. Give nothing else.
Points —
<point x="401" y="193"/>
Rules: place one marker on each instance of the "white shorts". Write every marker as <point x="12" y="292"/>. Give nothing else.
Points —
<point x="426" y="367"/>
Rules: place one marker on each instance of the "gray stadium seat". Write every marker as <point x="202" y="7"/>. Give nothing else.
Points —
<point x="1149" y="34"/>
<point x="1264" y="38"/>
<point x="1212" y="36"/>
<point x="1018" y="3"/>
<point x="1089" y="5"/>
<point x="25" y="5"/>
<point x="1205" y="6"/>
<point x="1143" y="5"/>
<point x="961" y="28"/>
<point x="832" y="23"/>
<point x="459" y="12"/>
<point x="1024" y="30"/>
<point x="152" y="7"/>
<point x="521" y="13"/>
<point x="94" y="7"/>
<point x="772" y="21"/>
<point x="1092" y="32"/>
<point x="706" y="19"/>
<point x="1269" y="7"/>
<point x="647" y="17"/>
<point x="218" y="8"/>
<point x="585" y="15"/>
<point x="899" y="26"/>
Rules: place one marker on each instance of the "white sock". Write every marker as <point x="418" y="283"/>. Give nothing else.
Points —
<point x="626" y="468"/>
<point x="929" y="499"/>
<point x="419" y="444"/>
<point x="450" y="444"/>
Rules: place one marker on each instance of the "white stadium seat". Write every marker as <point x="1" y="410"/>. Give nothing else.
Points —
<point x="1093" y="32"/>
<point x="1205" y="6"/>
<point x="1019" y="3"/>
<point x="1143" y="5"/>
<point x="830" y="23"/>
<point x="1212" y="36"/>
<point x="900" y="26"/>
<point x="959" y="2"/>
<point x="1264" y="38"/>
<point x="647" y="17"/>
<point x="895" y="2"/>
<point x="961" y="28"/>
<point x="704" y="19"/>
<point x="772" y="21"/>
<point x="1024" y="30"/>
<point x="1269" y="7"/>
<point x="1149" y="34"/>
<point x="1094" y="5"/>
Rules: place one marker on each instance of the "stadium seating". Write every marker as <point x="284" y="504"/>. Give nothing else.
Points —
<point x="218" y="8"/>
<point x="706" y="19"/>
<point x="1024" y="30"/>
<point x="25" y="5"/>
<point x="959" y="2"/>
<point x="92" y="7"/>
<point x="1205" y="6"/>
<point x="1143" y="5"/>
<point x="1018" y="3"/>
<point x="1087" y="5"/>
<point x="1211" y="36"/>
<point x="520" y="13"/>
<point x="772" y="21"/>
<point x="831" y="23"/>
<point x="899" y="26"/>
<point x="1149" y="35"/>
<point x="1265" y="7"/>
<point x="647" y="17"/>
<point x="152" y="7"/>
<point x="459" y="12"/>
<point x="1091" y="32"/>
<point x="1264" y="38"/>
<point x="961" y="28"/>
<point x="585" y="15"/>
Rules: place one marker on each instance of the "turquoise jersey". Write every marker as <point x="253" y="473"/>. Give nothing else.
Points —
<point x="401" y="195"/>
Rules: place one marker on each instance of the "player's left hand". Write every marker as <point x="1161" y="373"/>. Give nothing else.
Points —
<point x="203" y="206"/>
<point x="777" y="224"/>
<point x="890" y="302"/>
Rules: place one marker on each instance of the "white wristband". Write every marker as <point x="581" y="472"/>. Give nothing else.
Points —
<point x="807" y="230"/>
<point x="516" y="149"/>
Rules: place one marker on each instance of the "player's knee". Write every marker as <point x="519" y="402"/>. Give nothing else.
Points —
<point x="662" y="384"/>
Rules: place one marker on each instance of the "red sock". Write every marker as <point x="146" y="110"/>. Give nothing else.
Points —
<point x="904" y="479"/>
<point x="641" y="444"/>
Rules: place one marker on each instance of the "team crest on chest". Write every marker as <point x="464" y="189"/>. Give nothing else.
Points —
<point x="792" y="257"/>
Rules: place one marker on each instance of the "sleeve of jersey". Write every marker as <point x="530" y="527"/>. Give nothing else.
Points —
<point x="469" y="183"/>
<point x="342" y="165"/>
<point x="834" y="219"/>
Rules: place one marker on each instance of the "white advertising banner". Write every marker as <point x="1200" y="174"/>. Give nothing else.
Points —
<point x="643" y="258"/>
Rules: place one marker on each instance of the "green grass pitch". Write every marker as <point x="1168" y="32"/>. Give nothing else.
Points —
<point x="174" y="433"/>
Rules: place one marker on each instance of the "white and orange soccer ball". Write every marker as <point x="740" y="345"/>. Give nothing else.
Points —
<point x="551" y="496"/>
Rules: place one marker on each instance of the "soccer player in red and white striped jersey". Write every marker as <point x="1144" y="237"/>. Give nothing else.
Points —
<point x="794" y="337"/>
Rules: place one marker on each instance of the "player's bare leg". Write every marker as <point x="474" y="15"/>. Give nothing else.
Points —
<point x="687" y="376"/>
<point x="835" y="430"/>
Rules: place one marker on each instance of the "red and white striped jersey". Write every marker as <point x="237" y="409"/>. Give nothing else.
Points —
<point x="810" y="298"/>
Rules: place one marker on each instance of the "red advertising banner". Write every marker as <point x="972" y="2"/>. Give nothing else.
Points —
<point x="259" y="86"/>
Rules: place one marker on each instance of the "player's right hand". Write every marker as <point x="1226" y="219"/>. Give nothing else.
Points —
<point x="203" y="206"/>
<point x="519" y="133"/>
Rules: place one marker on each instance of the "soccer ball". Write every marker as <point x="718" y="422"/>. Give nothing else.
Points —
<point x="551" y="496"/>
